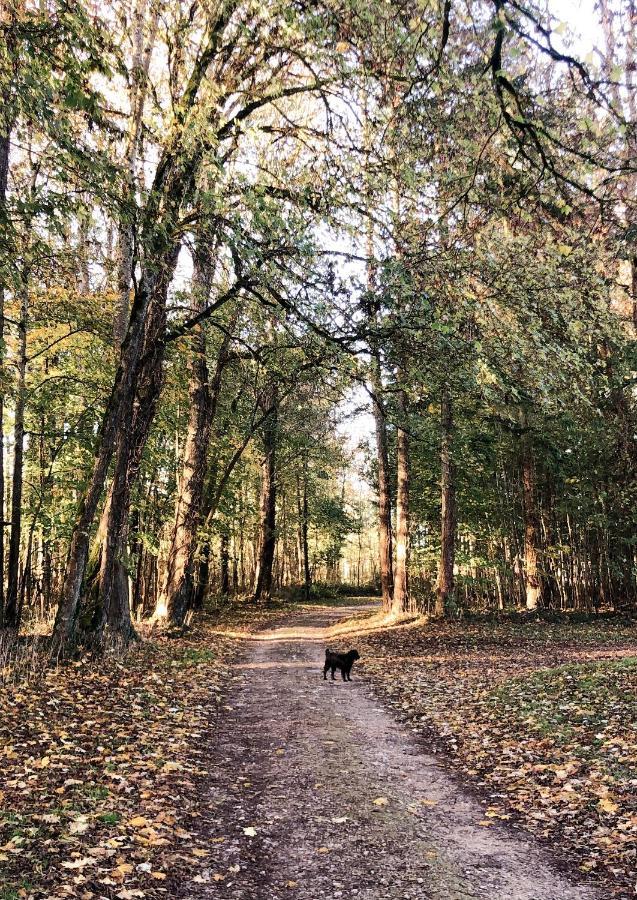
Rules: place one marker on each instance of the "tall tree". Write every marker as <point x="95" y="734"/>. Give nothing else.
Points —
<point x="269" y="402"/>
<point x="402" y="601"/>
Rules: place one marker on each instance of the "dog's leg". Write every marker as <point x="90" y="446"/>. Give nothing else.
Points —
<point x="325" y="668"/>
<point x="343" y="675"/>
<point x="333" y="672"/>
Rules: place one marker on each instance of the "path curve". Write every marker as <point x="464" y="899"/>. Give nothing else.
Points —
<point x="302" y="761"/>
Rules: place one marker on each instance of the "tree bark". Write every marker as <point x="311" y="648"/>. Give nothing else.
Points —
<point x="178" y="589"/>
<point x="224" y="558"/>
<point x="532" y="580"/>
<point x="112" y="625"/>
<point x="267" y="502"/>
<point x="298" y="553"/>
<point x="307" y="574"/>
<point x="445" y="585"/>
<point x="384" y="493"/>
<point x="13" y="581"/>
<point x="401" y="602"/>
<point x="115" y="428"/>
<point x="4" y="176"/>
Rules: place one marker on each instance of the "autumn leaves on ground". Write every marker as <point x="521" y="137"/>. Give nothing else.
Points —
<point x="104" y="764"/>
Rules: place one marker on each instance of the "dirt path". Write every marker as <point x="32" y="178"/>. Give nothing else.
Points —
<point x="303" y="760"/>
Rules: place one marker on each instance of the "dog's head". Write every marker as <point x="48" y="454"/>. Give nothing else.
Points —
<point x="354" y="655"/>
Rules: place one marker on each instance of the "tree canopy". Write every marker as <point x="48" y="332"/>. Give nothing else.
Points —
<point x="229" y="228"/>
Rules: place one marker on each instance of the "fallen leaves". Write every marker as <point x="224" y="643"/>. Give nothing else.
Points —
<point x="540" y="715"/>
<point x="100" y="764"/>
<point x="607" y="806"/>
<point x="79" y="863"/>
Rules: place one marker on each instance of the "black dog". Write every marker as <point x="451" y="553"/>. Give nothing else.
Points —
<point x="342" y="661"/>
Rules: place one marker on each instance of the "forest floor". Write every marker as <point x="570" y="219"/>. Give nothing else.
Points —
<point x="223" y="766"/>
<point x="539" y="720"/>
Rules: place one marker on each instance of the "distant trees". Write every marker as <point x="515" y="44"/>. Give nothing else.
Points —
<point x="216" y="222"/>
<point x="493" y="281"/>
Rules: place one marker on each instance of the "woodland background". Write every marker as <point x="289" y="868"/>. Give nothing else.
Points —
<point x="228" y="225"/>
<point x="302" y="299"/>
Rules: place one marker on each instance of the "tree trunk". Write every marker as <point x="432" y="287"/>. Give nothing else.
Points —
<point x="384" y="493"/>
<point x="267" y="503"/>
<point x="298" y="554"/>
<point x="113" y="622"/>
<point x="224" y="556"/>
<point x="117" y="418"/>
<point x="177" y="593"/>
<point x="4" y="175"/>
<point x="533" y="587"/>
<point x="445" y="585"/>
<point x="401" y="602"/>
<point x="203" y="575"/>
<point x="307" y="575"/>
<point x="181" y="586"/>
<point x="11" y="611"/>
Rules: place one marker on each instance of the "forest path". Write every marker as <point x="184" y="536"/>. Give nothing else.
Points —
<point x="299" y="762"/>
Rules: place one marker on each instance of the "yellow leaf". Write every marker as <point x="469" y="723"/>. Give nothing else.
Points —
<point x="250" y="831"/>
<point x="323" y="850"/>
<point x="158" y="876"/>
<point x="218" y="877"/>
<point x="122" y="869"/>
<point x="492" y="813"/>
<point x="138" y="822"/>
<point x="199" y="852"/>
<point x="607" y="805"/>
<point x="380" y="801"/>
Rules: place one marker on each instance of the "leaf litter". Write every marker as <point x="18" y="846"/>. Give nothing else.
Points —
<point x="541" y="717"/>
<point x="101" y="763"/>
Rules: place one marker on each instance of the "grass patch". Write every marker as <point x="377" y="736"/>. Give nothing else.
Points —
<point x="110" y="818"/>
<point x="588" y="706"/>
<point x="196" y="656"/>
